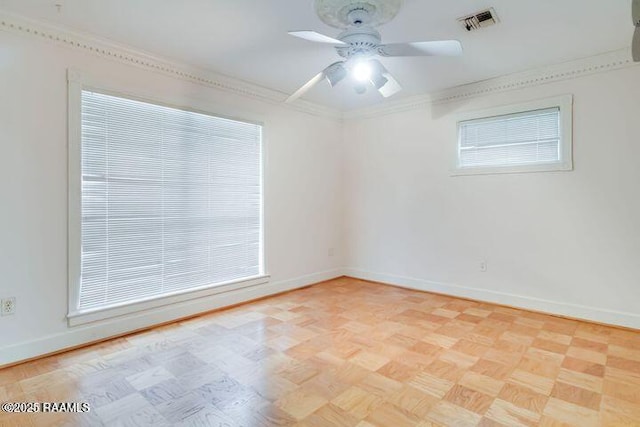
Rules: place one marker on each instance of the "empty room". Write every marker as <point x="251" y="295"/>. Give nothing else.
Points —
<point x="351" y="213"/>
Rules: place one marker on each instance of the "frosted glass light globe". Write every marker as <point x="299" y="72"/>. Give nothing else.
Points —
<point x="362" y="71"/>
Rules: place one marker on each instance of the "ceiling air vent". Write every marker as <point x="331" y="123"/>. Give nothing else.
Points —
<point x="482" y="19"/>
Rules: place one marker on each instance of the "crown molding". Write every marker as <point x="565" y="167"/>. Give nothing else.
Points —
<point x="390" y="107"/>
<point x="609" y="61"/>
<point x="106" y="49"/>
<point x="564" y="71"/>
<point x="138" y="58"/>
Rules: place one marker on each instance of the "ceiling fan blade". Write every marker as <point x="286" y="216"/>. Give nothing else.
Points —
<point x="435" y="48"/>
<point x="316" y="37"/>
<point x="635" y="45"/>
<point x="388" y="86"/>
<point x="308" y="85"/>
<point x="334" y="73"/>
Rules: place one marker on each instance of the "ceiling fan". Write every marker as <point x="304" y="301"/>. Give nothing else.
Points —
<point x="360" y="43"/>
<point x="635" y="14"/>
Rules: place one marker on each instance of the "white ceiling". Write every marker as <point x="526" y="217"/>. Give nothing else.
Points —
<point x="248" y="39"/>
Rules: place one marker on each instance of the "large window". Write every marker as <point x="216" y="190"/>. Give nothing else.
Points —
<point x="171" y="202"/>
<point x="525" y="138"/>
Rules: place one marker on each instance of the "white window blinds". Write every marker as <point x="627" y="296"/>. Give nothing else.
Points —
<point x="171" y="201"/>
<point x="531" y="137"/>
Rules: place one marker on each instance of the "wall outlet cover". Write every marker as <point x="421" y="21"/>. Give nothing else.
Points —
<point x="8" y="306"/>
<point x="483" y="266"/>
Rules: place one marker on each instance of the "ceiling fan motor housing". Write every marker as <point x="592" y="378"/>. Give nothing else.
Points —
<point x="361" y="41"/>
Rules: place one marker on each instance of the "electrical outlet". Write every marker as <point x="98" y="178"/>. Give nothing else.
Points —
<point x="483" y="266"/>
<point x="8" y="306"/>
<point x="331" y="252"/>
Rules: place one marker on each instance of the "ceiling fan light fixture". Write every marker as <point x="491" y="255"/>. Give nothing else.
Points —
<point x="360" y="43"/>
<point x="378" y="80"/>
<point x="390" y="88"/>
<point x="360" y="88"/>
<point x="335" y="74"/>
<point x="362" y="71"/>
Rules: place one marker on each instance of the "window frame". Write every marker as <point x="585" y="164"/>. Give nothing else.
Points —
<point x="565" y="163"/>
<point x="77" y="82"/>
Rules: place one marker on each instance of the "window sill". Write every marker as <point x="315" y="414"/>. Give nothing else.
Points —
<point x="542" y="167"/>
<point x="75" y="318"/>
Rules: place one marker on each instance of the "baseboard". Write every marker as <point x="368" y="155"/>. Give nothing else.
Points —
<point x="575" y="311"/>
<point x="118" y="326"/>
<point x="90" y="333"/>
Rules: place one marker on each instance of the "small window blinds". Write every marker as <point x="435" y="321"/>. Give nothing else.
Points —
<point x="531" y="137"/>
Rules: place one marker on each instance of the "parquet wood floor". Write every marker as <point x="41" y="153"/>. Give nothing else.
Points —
<point x="345" y="353"/>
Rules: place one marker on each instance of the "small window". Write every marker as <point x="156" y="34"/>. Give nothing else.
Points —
<point x="534" y="137"/>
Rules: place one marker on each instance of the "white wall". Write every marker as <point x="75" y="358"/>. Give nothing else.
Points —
<point x="302" y="194"/>
<point x="565" y="242"/>
<point x="376" y="190"/>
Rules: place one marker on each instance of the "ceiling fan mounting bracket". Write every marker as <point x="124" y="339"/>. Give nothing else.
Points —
<point x="353" y="13"/>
